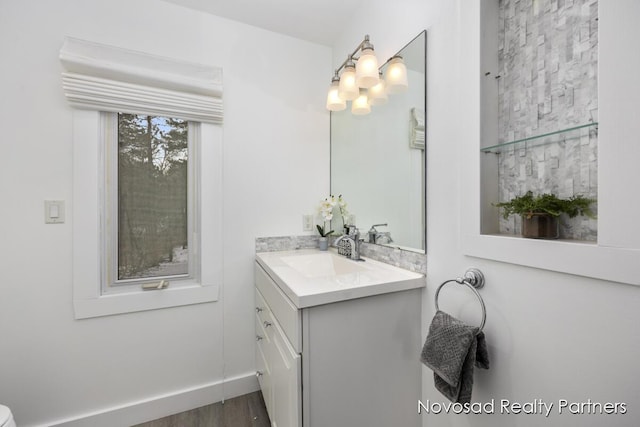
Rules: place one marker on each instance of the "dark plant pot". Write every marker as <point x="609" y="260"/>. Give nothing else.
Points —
<point x="540" y="226"/>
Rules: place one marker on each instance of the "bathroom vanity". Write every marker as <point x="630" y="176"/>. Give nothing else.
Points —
<point x="337" y="341"/>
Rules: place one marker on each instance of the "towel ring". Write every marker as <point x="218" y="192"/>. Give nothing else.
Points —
<point x="474" y="280"/>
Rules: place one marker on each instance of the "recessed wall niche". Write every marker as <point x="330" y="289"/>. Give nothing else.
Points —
<point x="539" y="63"/>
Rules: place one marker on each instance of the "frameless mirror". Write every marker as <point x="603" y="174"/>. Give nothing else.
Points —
<point x="378" y="161"/>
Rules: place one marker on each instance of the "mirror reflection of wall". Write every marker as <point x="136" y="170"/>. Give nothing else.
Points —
<point x="375" y="165"/>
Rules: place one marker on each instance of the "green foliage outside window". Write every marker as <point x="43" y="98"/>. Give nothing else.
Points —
<point x="152" y="196"/>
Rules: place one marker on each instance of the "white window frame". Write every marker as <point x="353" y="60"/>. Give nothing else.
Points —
<point x="88" y="212"/>
<point x="109" y="195"/>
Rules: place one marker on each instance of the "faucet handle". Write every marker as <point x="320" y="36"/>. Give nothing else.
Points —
<point x="373" y="227"/>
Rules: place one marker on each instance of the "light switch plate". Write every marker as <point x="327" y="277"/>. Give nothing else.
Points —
<point x="307" y="222"/>
<point x="54" y="212"/>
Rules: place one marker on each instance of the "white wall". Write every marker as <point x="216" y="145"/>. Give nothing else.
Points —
<point x="53" y="367"/>
<point x="551" y="336"/>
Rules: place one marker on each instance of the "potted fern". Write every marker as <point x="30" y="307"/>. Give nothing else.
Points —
<point x="540" y="213"/>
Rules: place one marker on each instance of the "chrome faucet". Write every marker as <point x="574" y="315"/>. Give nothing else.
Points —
<point x="353" y="237"/>
<point x="373" y="233"/>
<point x="379" y="237"/>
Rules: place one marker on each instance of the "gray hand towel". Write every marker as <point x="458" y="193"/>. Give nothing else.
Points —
<point x="451" y="350"/>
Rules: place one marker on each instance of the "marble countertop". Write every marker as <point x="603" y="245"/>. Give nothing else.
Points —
<point x="311" y="277"/>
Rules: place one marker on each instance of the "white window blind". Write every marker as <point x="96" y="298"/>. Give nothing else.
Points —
<point x="107" y="78"/>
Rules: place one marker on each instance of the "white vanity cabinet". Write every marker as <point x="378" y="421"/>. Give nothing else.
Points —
<point x="352" y="362"/>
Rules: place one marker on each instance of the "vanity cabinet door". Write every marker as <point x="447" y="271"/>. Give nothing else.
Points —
<point x="286" y="374"/>
<point x="279" y="367"/>
<point x="264" y="348"/>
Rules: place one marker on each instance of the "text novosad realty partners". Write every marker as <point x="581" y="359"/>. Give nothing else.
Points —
<point x="534" y="407"/>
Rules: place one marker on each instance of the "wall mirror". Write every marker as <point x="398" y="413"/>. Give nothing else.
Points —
<point x="378" y="161"/>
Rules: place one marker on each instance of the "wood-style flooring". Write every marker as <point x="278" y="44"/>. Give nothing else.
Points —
<point x="241" y="411"/>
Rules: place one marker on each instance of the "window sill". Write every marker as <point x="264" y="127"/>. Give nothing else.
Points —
<point x="106" y="305"/>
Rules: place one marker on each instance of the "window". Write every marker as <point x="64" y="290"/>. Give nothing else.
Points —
<point x="151" y="199"/>
<point x="143" y="211"/>
<point x="95" y="223"/>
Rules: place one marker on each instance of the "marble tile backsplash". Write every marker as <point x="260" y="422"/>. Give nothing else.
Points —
<point x="285" y="243"/>
<point x="409" y="260"/>
<point x="548" y="66"/>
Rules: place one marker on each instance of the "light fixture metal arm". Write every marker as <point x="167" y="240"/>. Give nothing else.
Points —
<point x="351" y="57"/>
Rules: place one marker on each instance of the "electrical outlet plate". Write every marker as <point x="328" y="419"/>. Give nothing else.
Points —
<point x="307" y="222"/>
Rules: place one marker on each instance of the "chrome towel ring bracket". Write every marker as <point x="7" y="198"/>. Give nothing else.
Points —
<point x="474" y="277"/>
<point x="474" y="280"/>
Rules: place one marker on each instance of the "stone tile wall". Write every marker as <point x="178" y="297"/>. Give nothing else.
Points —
<point x="548" y="58"/>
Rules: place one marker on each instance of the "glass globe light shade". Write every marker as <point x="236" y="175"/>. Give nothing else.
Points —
<point x="367" y="69"/>
<point x="348" y="90"/>
<point x="334" y="102"/>
<point x="396" y="76"/>
<point x="360" y="105"/>
<point x="378" y="93"/>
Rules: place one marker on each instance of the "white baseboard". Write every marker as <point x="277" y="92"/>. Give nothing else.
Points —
<point x="163" y="405"/>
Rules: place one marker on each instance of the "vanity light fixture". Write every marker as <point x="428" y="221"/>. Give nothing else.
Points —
<point x="334" y="102"/>
<point x="365" y="74"/>
<point x="367" y="66"/>
<point x="347" y="89"/>
<point x="396" y="75"/>
<point x="360" y="106"/>
<point x="378" y="93"/>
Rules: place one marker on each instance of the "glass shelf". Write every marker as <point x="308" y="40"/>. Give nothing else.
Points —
<point x="543" y="139"/>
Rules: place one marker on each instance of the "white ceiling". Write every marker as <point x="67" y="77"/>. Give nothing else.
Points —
<point x="318" y="21"/>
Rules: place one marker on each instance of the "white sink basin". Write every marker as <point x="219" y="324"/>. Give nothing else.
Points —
<point x="322" y="264"/>
<point x="311" y="277"/>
